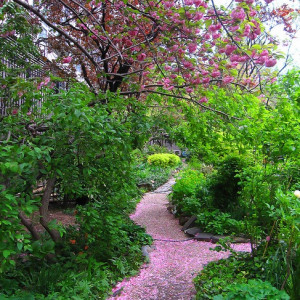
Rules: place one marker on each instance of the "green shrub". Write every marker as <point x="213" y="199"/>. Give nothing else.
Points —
<point x="218" y="222"/>
<point x="153" y="176"/>
<point x="164" y="160"/>
<point x="187" y="184"/>
<point x="225" y="183"/>
<point x="255" y="289"/>
<point x="218" y="275"/>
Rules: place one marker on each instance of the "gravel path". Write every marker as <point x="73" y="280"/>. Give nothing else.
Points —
<point x="173" y="263"/>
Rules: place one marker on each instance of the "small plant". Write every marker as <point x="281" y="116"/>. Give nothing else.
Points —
<point x="187" y="184"/>
<point x="255" y="289"/>
<point x="217" y="222"/>
<point x="216" y="276"/>
<point x="164" y="160"/>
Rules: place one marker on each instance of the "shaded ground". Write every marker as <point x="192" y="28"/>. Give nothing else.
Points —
<point x="174" y="262"/>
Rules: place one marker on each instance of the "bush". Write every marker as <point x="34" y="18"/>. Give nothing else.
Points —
<point x="153" y="176"/>
<point x="255" y="289"/>
<point x="187" y="184"/>
<point x="225" y="183"/>
<point x="164" y="160"/>
<point x="217" y="222"/>
<point x="216" y="276"/>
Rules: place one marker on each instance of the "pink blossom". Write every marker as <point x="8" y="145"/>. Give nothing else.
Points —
<point x="198" y="3"/>
<point x="216" y="35"/>
<point x="203" y="100"/>
<point x="243" y="58"/>
<point x="187" y="64"/>
<point x="206" y="80"/>
<point x="14" y="111"/>
<point x="234" y="57"/>
<point x="261" y="60"/>
<point x="141" y="56"/>
<point x="166" y="82"/>
<point x="82" y="26"/>
<point x="252" y="13"/>
<point x="229" y="49"/>
<point x="28" y="113"/>
<point x="46" y="80"/>
<point x="169" y="88"/>
<point x="215" y="73"/>
<point x="198" y="16"/>
<point x="67" y="60"/>
<point x="128" y="43"/>
<point x="133" y="32"/>
<point x="168" y="4"/>
<point x="268" y="238"/>
<point x="174" y="47"/>
<point x="206" y="36"/>
<point x="197" y="81"/>
<point x="212" y="28"/>
<point x="189" y="15"/>
<point x="228" y="79"/>
<point x="270" y="63"/>
<point x="192" y="47"/>
<point x="234" y="28"/>
<point x="238" y="14"/>
<point x="247" y="30"/>
<point x="189" y="90"/>
<point x="188" y="2"/>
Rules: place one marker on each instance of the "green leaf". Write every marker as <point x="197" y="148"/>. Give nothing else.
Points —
<point x="6" y="253"/>
<point x="19" y="246"/>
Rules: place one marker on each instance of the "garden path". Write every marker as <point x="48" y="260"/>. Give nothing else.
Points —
<point x="175" y="259"/>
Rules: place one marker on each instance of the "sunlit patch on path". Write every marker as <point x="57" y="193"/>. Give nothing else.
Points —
<point x="174" y="262"/>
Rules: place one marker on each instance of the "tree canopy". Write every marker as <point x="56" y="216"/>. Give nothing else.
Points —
<point x="176" y="48"/>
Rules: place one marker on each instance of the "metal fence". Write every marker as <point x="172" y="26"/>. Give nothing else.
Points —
<point x="7" y="103"/>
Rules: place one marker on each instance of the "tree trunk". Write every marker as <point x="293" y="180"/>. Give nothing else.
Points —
<point x="29" y="226"/>
<point x="44" y="217"/>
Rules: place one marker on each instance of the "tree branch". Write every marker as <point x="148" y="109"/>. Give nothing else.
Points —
<point x="68" y="37"/>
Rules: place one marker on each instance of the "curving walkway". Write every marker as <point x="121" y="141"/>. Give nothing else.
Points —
<point x="173" y="263"/>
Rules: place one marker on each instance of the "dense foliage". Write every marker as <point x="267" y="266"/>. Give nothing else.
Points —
<point x="251" y="187"/>
<point x="80" y="144"/>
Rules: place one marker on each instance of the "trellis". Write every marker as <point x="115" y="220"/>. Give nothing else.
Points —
<point x="6" y="103"/>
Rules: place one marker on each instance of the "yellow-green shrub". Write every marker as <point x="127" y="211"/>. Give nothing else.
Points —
<point x="164" y="160"/>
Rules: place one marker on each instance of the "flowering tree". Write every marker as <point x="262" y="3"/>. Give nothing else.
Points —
<point x="173" y="47"/>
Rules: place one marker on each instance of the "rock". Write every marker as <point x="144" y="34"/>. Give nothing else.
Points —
<point x="183" y="220"/>
<point x="146" y="186"/>
<point x="193" y="231"/>
<point x="202" y="236"/>
<point x="216" y="238"/>
<point x="145" y="251"/>
<point x="240" y="240"/>
<point x="118" y="292"/>
<point x="172" y="209"/>
<point x="189" y="223"/>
